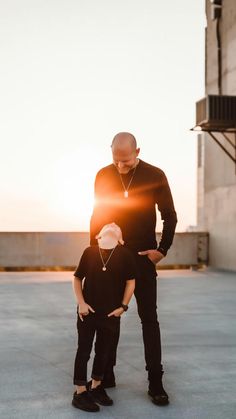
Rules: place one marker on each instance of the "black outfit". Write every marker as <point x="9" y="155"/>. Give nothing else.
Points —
<point x="136" y="216"/>
<point x="103" y="291"/>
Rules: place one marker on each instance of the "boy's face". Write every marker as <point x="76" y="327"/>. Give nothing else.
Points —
<point x="110" y="233"/>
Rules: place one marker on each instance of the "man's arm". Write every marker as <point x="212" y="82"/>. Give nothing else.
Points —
<point x="164" y="200"/>
<point x="97" y="218"/>
<point x="166" y="207"/>
<point x="103" y="211"/>
<point x="96" y="223"/>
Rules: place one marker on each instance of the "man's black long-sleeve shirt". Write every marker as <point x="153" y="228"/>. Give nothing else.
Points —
<point x="136" y="215"/>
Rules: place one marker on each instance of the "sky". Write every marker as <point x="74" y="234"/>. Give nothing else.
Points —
<point x="73" y="73"/>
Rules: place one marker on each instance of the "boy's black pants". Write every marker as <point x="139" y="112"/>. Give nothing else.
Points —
<point x="106" y="329"/>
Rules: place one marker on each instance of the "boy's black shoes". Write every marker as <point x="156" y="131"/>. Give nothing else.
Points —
<point x="109" y="379"/>
<point x="100" y="396"/>
<point x="84" y="401"/>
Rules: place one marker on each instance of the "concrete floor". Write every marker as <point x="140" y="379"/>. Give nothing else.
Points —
<point x="38" y="342"/>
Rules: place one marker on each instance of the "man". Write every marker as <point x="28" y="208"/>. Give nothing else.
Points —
<point x="127" y="192"/>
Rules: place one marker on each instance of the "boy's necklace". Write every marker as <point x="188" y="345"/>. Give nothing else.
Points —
<point x="126" y="188"/>
<point x="104" y="268"/>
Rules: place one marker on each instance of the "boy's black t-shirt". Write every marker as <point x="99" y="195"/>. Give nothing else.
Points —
<point x="104" y="290"/>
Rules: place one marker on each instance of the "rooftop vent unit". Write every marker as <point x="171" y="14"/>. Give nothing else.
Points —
<point x="216" y="113"/>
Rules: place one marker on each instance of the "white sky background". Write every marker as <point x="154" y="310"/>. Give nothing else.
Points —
<point x="73" y="73"/>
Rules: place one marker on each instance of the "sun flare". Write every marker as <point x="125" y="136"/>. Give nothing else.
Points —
<point x="72" y="197"/>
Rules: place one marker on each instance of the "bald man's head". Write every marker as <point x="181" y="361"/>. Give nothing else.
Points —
<point x="124" y="140"/>
<point x="124" y="152"/>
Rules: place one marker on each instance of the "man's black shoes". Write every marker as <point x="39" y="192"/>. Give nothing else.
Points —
<point x="155" y="390"/>
<point x="158" y="395"/>
<point x="100" y="396"/>
<point x="109" y="379"/>
<point x="84" y="401"/>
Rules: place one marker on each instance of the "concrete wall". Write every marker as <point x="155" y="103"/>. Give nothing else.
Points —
<point x="217" y="172"/>
<point x="47" y="250"/>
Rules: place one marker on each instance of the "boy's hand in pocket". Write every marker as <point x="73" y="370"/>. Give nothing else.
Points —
<point x="117" y="312"/>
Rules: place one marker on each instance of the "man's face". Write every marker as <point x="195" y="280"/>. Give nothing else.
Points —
<point x="124" y="159"/>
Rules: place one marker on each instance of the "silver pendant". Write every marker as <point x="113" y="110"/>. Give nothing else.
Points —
<point x="126" y="194"/>
<point x="104" y="268"/>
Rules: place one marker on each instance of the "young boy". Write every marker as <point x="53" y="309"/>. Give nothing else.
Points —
<point x="103" y="285"/>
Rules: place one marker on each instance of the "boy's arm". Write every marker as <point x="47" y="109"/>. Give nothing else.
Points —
<point x="84" y="308"/>
<point x="129" y="290"/>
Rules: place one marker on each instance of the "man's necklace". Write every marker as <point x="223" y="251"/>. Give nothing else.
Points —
<point x="104" y="267"/>
<point x="126" y="188"/>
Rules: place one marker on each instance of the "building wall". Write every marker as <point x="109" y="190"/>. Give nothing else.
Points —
<point x="217" y="172"/>
<point x="38" y="250"/>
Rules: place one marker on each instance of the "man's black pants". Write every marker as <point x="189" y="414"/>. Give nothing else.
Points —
<point x="146" y="297"/>
<point x="106" y="330"/>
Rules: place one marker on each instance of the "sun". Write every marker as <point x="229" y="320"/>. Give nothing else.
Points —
<point x="71" y="198"/>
